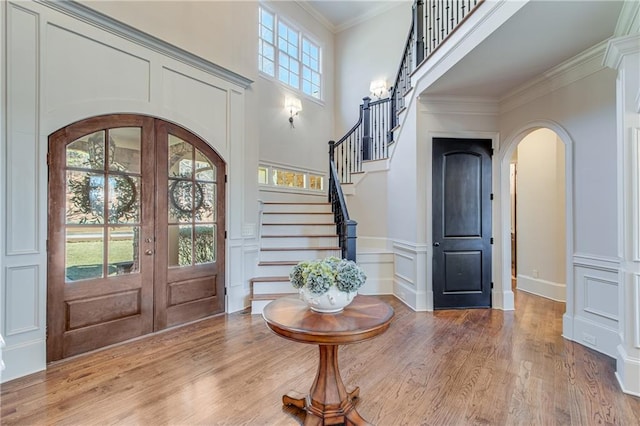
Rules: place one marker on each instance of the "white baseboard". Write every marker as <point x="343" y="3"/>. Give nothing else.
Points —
<point x="628" y="372"/>
<point x="548" y="289"/>
<point x="595" y="336"/>
<point x="23" y="359"/>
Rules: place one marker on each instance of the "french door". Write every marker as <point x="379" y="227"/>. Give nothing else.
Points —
<point x="136" y="231"/>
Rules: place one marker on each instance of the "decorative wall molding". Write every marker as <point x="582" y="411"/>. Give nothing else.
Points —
<point x="635" y="193"/>
<point x="636" y="312"/>
<point x="23" y="129"/>
<point x="629" y="19"/>
<point x="608" y="264"/>
<point x="462" y="105"/>
<point x="568" y="72"/>
<point x="104" y="22"/>
<point x="618" y="48"/>
<point x="593" y="303"/>
<point x="21" y="285"/>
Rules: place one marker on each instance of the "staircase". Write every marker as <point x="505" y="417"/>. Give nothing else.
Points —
<point x="290" y="233"/>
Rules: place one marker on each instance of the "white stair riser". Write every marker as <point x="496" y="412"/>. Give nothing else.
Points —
<point x="286" y="242"/>
<point x="266" y="287"/>
<point x="277" y="255"/>
<point x="296" y="208"/>
<point x="297" y="218"/>
<point x="298" y="229"/>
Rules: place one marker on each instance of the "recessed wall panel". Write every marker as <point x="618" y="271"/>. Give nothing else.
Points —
<point x="199" y="101"/>
<point x="22" y="131"/>
<point x="21" y="300"/>
<point x="601" y="297"/>
<point x="80" y="69"/>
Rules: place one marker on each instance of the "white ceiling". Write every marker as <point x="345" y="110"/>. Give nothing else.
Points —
<point x="543" y="34"/>
<point x="338" y="15"/>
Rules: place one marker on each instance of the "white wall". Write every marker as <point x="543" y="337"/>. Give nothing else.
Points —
<point x="369" y="51"/>
<point x="541" y="247"/>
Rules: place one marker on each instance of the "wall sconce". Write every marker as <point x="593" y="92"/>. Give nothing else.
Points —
<point x="294" y="106"/>
<point x="378" y="88"/>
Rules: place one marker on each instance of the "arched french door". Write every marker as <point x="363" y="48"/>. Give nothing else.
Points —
<point x="136" y="231"/>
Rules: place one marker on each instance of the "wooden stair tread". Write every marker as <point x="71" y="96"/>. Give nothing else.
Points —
<point x="297" y="212"/>
<point x="301" y="236"/>
<point x="268" y="279"/>
<point x="298" y="248"/>
<point x="293" y="202"/>
<point x="297" y="224"/>
<point x="271" y="296"/>
<point x="278" y="262"/>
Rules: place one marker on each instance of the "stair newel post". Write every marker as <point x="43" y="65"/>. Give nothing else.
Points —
<point x="350" y="243"/>
<point x="366" y="127"/>
<point x="418" y="25"/>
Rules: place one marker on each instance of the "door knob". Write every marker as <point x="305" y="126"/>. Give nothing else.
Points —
<point x="436" y="244"/>
<point x="148" y="252"/>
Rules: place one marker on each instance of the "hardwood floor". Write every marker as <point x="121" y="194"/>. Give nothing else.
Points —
<point x="452" y="367"/>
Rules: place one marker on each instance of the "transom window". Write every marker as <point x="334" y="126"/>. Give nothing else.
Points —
<point x="288" y="55"/>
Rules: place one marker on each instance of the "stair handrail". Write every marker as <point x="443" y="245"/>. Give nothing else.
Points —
<point x="402" y="78"/>
<point x="345" y="227"/>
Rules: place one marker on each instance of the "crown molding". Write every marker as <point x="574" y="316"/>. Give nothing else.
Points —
<point x="104" y="22"/>
<point x="464" y="105"/>
<point x="568" y="72"/>
<point x="620" y="47"/>
<point x="629" y="19"/>
<point x="374" y="11"/>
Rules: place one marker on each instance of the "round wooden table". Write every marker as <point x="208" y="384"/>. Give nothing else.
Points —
<point x="328" y="402"/>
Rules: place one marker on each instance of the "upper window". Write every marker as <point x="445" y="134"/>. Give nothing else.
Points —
<point x="288" y="55"/>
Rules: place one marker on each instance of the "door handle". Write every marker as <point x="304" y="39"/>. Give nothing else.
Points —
<point x="148" y="252"/>
<point x="436" y="244"/>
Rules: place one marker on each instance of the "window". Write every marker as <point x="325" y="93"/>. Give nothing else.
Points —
<point x="288" y="55"/>
<point x="275" y="176"/>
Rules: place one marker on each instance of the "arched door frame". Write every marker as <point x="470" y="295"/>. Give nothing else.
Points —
<point x="510" y="146"/>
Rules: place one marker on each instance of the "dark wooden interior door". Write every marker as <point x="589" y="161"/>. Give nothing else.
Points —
<point x="136" y="231"/>
<point x="461" y="223"/>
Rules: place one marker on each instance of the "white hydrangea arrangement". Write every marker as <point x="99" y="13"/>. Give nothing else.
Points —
<point x="317" y="276"/>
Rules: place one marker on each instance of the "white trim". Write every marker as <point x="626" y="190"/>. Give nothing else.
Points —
<point x="607" y="264"/>
<point x="465" y="105"/>
<point x="568" y="72"/>
<point x="92" y="17"/>
<point x="618" y="48"/>
<point x="628" y="19"/>
<point x="503" y="189"/>
<point x="627" y="372"/>
<point x="635" y="192"/>
<point x="635" y="292"/>
<point x="543" y="288"/>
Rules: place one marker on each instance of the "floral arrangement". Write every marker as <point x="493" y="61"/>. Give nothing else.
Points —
<point x="318" y="275"/>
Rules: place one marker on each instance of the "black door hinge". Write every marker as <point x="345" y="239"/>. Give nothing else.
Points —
<point x="225" y="178"/>
<point x="225" y="289"/>
<point x="491" y="197"/>
<point x="491" y="240"/>
<point x="491" y="152"/>
<point x="225" y="235"/>
<point x="491" y="284"/>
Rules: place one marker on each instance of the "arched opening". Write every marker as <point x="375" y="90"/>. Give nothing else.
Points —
<point x="539" y="211"/>
<point x="136" y="231"/>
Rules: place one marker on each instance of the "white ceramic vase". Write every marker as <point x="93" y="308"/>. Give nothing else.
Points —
<point x="332" y="301"/>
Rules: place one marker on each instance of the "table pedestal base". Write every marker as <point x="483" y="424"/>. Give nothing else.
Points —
<point x="328" y="402"/>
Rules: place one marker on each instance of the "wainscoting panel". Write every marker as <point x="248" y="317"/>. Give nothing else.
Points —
<point x="21" y="300"/>
<point x="22" y="171"/>
<point x="95" y="70"/>
<point x="596" y="303"/>
<point x="410" y="281"/>
<point x="203" y="102"/>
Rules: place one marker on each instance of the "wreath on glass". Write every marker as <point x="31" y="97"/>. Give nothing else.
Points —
<point x="183" y="199"/>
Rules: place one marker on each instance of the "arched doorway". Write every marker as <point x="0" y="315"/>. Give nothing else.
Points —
<point x="511" y="144"/>
<point x="136" y="226"/>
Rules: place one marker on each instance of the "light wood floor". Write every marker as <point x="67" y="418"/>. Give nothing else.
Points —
<point x="448" y="367"/>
